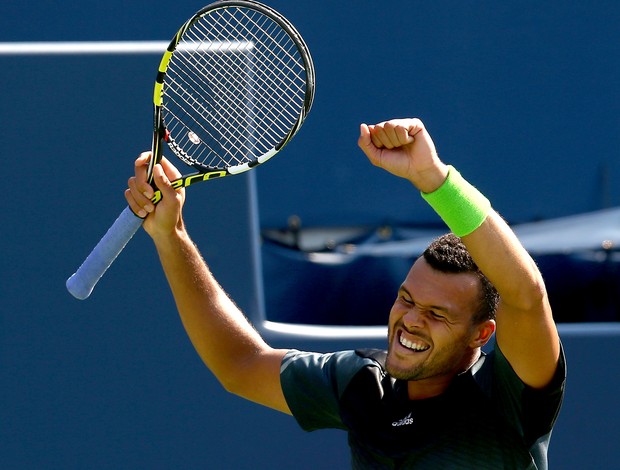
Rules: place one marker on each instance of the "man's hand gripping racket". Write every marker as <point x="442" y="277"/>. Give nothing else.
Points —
<point x="234" y="86"/>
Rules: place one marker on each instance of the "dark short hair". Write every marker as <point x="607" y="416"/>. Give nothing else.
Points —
<point x="448" y="254"/>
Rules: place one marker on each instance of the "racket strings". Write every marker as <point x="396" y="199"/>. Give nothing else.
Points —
<point x="222" y="107"/>
<point x="272" y="86"/>
<point x="280" y="39"/>
<point x="185" y="99"/>
<point x="234" y="89"/>
<point x="219" y="111"/>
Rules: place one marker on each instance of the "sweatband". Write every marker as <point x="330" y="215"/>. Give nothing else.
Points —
<point x="460" y="205"/>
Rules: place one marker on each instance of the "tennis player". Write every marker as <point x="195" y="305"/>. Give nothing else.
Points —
<point x="433" y="399"/>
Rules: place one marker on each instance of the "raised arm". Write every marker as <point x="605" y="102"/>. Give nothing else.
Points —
<point x="225" y="340"/>
<point x="526" y="332"/>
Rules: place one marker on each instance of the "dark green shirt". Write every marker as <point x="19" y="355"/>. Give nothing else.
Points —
<point x="487" y="419"/>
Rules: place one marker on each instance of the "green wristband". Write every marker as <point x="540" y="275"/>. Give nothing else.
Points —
<point x="461" y="206"/>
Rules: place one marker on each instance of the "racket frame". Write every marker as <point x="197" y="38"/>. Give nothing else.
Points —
<point x="83" y="281"/>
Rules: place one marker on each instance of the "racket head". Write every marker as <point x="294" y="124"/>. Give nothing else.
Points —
<point x="234" y="86"/>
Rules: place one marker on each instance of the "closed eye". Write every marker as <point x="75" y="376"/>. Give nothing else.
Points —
<point x="405" y="297"/>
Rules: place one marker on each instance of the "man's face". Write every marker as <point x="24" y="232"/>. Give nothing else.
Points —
<point x="430" y="332"/>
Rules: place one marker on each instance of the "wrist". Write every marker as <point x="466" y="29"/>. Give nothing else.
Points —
<point x="461" y="206"/>
<point x="430" y="180"/>
<point x="171" y="237"/>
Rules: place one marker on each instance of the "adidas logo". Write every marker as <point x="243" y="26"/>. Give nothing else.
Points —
<point x="403" y="422"/>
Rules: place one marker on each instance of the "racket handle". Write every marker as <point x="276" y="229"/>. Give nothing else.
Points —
<point x="82" y="283"/>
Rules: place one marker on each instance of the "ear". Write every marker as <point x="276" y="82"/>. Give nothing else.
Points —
<point x="483" y="333"/>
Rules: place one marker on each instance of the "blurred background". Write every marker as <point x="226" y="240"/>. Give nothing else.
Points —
<point x="521" y="97"/>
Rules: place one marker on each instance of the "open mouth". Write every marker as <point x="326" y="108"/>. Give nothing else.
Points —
<point x="413" y="345"/>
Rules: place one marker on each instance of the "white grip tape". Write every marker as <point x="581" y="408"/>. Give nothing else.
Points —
<point x="82" y="283"/>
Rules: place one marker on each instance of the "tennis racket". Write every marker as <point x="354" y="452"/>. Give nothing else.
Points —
<point x="234" y="86"/>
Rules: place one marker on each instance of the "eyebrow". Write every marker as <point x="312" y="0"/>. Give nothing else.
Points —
<point x="431" y="307"/>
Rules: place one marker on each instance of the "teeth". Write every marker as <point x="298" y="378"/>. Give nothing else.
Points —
<point x="412" y="345"/>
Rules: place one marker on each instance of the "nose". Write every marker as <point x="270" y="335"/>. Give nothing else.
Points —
<point x="413" y="318"/>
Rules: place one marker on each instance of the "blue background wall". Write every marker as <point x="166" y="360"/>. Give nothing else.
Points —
<point x="521" y="97"/>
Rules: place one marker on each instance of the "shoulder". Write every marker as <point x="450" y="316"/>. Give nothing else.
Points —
<point x="536" y="409"/>
<point x="313" y="384"/>
<point x="507" y="376"/>
<point x="335" y="368"/>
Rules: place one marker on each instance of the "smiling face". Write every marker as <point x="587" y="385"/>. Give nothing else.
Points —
<point x="431" y="334"/>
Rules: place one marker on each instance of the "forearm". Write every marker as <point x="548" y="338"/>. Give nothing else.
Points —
<point x="505" y="262"/>
<point x="225" y="340"/>
<point x="490" y="241"/>
<point x="220" y="333"/>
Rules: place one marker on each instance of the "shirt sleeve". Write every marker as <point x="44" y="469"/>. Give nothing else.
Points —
<point x="313" y="383"/>
<point x="535" y="409"/>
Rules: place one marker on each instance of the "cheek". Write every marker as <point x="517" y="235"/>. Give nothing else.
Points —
<point x="396" y="313"/>
<point x="451" y="341"/>
<point x="393" y="318"/>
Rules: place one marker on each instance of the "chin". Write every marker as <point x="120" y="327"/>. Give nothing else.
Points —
<point x="400" y="370"/>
